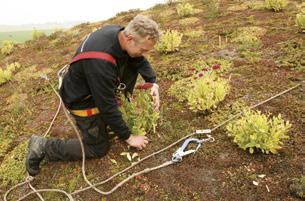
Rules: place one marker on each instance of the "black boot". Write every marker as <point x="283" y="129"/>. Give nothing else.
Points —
<point x="35" y="155"/>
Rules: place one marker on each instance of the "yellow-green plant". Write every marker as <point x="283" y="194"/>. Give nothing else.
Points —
<point x="207" y="92"/>
<point x="275" y="5"/>
<point x="248" y="37"/>
<point x="202" y="92"/>
<point x="169" y="42"/>
<point x="257" y="131"/>
<point x="6" y="75"/>
<point x="13" y="67"/>
<point x="185" y="10"/>
<point x="36" y="34"/>
<point x="7" y="48"/>
<point x="180" y="89"/>
<point x="300" y="21"/>
<point x="138" y="113"/>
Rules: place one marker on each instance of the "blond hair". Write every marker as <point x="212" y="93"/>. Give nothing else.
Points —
<point x="142" y="27"/>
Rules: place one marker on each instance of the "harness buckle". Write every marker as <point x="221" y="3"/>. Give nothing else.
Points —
<point x="121" y="87"/>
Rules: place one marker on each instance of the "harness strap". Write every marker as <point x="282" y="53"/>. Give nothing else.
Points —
<point x="85" y="113"/>
<point x="94" y="55"/>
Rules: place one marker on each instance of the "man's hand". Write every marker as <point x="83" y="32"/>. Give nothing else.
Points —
<point x="137" y="141"/>
<point x="154" y="92"/>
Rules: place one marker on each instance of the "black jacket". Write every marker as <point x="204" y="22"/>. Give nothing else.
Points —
<point x="98" y="78"/>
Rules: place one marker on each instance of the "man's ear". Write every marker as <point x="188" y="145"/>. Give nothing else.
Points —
<point x="129" y="38"/>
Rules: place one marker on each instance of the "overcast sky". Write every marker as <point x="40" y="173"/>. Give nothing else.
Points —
<point x="16" y="12"/>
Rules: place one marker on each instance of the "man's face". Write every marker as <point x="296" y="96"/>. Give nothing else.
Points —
<point x="137" y="48"/>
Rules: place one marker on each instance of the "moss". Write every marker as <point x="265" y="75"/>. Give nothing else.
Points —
<point x="5" y="144"/>
<point x="188" y="21"/>
<point x="12" y="169"/>
<point x="298" y="187"/>
<point x="292" y="55"/>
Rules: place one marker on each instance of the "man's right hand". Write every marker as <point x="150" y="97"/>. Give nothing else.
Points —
<point x="137" y="141"/>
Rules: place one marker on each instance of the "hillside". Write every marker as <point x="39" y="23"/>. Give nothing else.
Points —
<point x="220" y="170"/>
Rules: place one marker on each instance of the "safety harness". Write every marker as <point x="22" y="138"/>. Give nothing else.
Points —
<point x="82" y="56"/>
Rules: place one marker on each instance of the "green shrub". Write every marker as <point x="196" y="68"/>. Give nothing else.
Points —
<point x="7" y="74"/>
<point x="13" y="67"/>
<point x="7" y="48"/>
<point x="37" y="34"/>
<point x="248" y="37"/>
<point x="275" y="5"/>
<point x="300" y="21"/>
<point x="12" y="169"/>
<point x="169" y="42"/>
<point x="207" y="92"/>
<point x="257" y="131"/>
<point x="139" y="113"/>
<point x="201" y="92"/>
<point x="181" y="88"/>
<point x="185" y="10"/>
<point x="212" y="7"/>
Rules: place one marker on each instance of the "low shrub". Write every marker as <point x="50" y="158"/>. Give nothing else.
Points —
<point x="7" y="74"/>
<point x="257" y="131"/>
<point x="248" y="37"/>
<point x="185" y="10"/>
<point x="203" y="91"/>
<point x="207" y="92"/>
<point x="7" y="48"/>
<point x="300" y="21"/>
<point x="169" y="42"/>
<point x="37" y="34"/>
<point x="275" y="5"/>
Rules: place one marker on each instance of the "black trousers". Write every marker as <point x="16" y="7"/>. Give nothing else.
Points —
<point x="95" y="136"/>
<point x="95" y="141"/>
